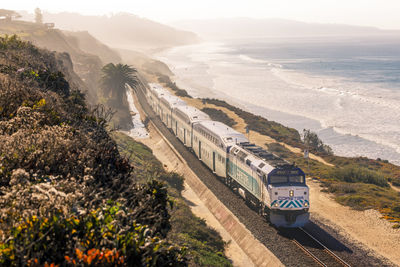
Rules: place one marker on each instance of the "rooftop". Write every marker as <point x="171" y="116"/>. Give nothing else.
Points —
<point x="172" y="100"/>
<point x="193" y="113"/>
<point x="263" y="154"/>
<point x="223" y="130"/>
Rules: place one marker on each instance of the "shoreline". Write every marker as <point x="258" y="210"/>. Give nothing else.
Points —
<point x="380" y="239"/>
<point x="345" y="143"/>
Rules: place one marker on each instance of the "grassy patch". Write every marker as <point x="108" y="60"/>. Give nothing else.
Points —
<point x="167" y="81"/>
<point x="353" y="174"/>
<point x="262" y="125"/>
<point x="219" y="115"/>
<point x="280" y="150"/>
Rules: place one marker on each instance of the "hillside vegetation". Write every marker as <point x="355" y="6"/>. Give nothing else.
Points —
<point x="67" y="196"/>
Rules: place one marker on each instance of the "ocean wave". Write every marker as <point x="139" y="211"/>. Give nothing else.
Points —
<point x="361" y="110"/>
<point x="259" y="61"/>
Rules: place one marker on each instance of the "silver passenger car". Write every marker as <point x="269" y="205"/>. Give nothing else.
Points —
<point x="211" y="141"/>
<point x="183" y="119"/>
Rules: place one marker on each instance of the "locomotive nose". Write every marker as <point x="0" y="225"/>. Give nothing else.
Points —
<point x="291" y="193"/>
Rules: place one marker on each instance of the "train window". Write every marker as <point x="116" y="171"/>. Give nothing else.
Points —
<point x="278" y="179"/>
<point x="228" y="139"/>
<point x="248" y="162"/>
<point x="296" y="179"/>
<point x="242" y="156"/>
<point x="261" y="165"/>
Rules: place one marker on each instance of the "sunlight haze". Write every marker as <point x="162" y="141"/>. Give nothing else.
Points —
<point x="377" y="13"/>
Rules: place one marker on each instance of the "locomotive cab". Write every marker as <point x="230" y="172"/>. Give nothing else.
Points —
<point x="289" y="197"/>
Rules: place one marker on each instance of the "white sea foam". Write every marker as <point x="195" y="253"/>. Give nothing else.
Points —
<point x="259" y="61"/>
<point x="364" y="119"/>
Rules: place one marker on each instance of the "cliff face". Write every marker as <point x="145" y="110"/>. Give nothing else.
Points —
<point x="66" y="194"/>
<point x="86" y="53"/>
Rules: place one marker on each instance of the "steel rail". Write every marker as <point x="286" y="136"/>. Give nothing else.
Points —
<point x="327" y="250"/>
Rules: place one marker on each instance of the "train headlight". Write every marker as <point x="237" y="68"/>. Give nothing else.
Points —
<point x="305" y="204"/>
<point x="291" y="193"/>
<point x="276" y="205"/>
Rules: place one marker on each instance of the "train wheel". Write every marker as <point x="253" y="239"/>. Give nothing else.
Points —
<point x="247" y="198"/>
<point x="228" y="181"/>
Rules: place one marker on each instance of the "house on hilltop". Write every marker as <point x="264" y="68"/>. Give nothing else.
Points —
<point x="7" y="15"/>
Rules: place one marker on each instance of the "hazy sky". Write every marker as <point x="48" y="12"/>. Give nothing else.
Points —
<point x="379" y="13"/>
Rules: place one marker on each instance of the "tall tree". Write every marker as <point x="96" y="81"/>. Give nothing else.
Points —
<point x="115" y="78"/>
<point x="38" y="16"/>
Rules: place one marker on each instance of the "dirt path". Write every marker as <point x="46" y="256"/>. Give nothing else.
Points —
<point x="395" y="188"/>
<point x="364" y="227"/>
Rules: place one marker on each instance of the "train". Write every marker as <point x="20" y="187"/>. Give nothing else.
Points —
<point x="269" y="184"/>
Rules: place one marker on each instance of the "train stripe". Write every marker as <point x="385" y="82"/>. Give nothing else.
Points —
<point x="292" y="203"/>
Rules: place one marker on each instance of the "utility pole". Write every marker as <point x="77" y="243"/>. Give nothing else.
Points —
<point x="307" y="156"/>
<point x="306" y="150"/>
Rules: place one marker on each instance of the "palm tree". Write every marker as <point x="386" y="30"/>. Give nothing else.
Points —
<point x="114" y="81"/>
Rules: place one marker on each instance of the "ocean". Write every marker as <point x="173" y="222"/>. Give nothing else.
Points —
<point x="347" y="90"/>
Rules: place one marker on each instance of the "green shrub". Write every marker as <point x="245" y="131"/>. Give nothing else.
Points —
<point x="355" y="201"/>
<point x="219" y="115"/>
<point x="342" y="188"/>
<point x="312" y="142"/>
<point x="280" y="150"/>
<point x="352" y="174"/>
<point x="167" y="81"/>
<point x="262" y="125"/>
<point x="107" y="236"/>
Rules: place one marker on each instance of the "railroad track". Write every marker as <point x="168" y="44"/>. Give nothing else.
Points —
<point x="311" y="246"/>
<point x="282" y="245"/>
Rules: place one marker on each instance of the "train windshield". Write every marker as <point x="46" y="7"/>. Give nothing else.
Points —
<point x="284" y="179"/>
<point x="296" y="179"/>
